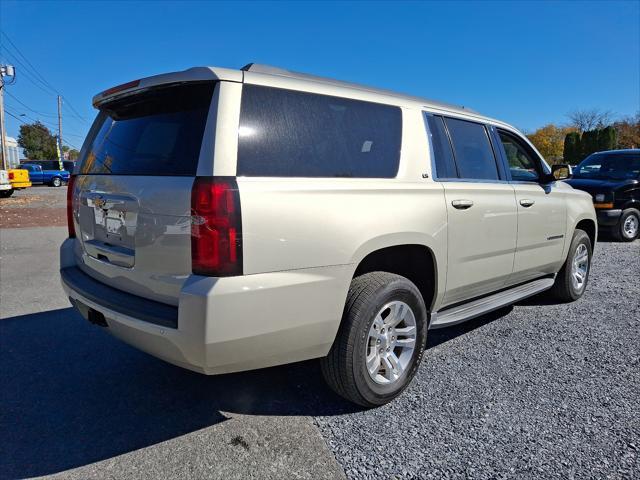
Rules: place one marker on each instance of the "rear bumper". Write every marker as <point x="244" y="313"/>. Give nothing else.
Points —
<point x="5" y="186"/>
<point x="223" y="324"/>
<point x="608" y="218"/>
<point x="20" y="184"/>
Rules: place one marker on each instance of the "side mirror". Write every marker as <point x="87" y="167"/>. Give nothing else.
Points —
<point x="560" y="172"/>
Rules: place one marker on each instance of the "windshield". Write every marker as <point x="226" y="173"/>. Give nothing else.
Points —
<point x="609" y="167"/>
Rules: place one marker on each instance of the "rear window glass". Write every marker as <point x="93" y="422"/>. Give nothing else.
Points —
<point x="158" y="132"/>
<point x="296" y="134"/>
<point x="473" y="152"/>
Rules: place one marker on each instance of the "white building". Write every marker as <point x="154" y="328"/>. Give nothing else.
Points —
<point x="13" y="152"/>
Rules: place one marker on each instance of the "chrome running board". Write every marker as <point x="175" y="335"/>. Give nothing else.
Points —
<point x="473" y="309"/>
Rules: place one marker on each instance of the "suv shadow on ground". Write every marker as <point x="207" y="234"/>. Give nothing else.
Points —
<point x="73" y="395"/>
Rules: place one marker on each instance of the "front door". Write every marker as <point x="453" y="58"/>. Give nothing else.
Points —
<point x="541" y="212"/>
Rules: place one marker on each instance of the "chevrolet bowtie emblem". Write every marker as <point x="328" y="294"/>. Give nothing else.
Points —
<point x="99" y="202"/>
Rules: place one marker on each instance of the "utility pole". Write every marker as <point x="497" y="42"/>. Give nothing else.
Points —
<point x="5" y="71"/>
<point x="3" y="136"/>
<point x="60" y="154"/>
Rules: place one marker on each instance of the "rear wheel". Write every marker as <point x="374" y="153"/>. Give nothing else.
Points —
<point x="380" y="342"/>
<point x="628" y="227"/>
<point x="56" y="181"/>
<point x="6" y="193"/>
<point x="573" y="277"/>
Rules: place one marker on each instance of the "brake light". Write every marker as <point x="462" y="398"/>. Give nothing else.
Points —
<point x="70" y="187"/>
<point x="120" y="88"/>
<point x="216" y="227"/>
<point x="11" y="175"/>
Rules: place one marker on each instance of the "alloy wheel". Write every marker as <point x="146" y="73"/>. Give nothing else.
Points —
<point x="391" y="343"/>
<point x="580" y="267"/>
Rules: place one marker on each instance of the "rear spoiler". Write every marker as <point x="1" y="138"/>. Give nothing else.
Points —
<point x="191" y="75"/>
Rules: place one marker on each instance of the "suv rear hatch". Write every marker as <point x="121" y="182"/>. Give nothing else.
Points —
<point x="132" y="197"/>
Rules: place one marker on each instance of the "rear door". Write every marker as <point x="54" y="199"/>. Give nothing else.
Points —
<point x="133" y="191"/>
<point x="542" y="212"/>
<point x="481" y="209"/>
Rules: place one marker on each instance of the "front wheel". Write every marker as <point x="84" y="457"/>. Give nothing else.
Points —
<point x="573" y="277"/>
<point x="628" y="227"/>
<point x="56" y="182"/>
<point x="380" y="342"/>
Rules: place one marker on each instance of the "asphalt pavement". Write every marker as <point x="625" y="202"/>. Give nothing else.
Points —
<point x="538" y="390"/>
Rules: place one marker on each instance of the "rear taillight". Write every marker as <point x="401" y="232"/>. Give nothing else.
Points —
<point x="70" y="187"/>
<point x="216" y="227"/>
<point x="11" y="175"/>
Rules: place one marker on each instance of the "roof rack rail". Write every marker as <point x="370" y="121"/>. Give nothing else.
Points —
<point x="271" y="70"/>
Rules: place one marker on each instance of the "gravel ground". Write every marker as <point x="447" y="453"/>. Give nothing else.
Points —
<point x="37" y="206"/>
<point x="534" y="391"/>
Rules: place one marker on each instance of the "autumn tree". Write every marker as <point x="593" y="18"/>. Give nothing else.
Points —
<point x="628" y="130"/>
<point x="37" y="141"/>
<point x="549" y="140"/>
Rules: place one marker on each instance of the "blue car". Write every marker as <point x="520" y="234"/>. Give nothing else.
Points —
<point x="37" y="174"/>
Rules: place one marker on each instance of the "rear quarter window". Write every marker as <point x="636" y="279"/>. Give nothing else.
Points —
<point x="285" y="133"/>
<point x="156" y="132"/>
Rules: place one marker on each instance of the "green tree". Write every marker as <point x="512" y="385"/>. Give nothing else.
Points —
<point x="572" y="153"/>
<point x="589" y="143"/>
<point x="73" y="154"/>
<point x="607" y="138"/>
<point x="37" y="141"/>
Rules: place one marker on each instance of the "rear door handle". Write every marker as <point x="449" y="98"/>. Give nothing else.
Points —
<point x="525" y="202"/>
<point x="462" y="204"/>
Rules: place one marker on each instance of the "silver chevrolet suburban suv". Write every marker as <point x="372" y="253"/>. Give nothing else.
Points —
<point x="225" y="220"/>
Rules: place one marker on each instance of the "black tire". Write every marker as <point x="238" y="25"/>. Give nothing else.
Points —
<point x="56" y="182"/>
<point x="621" y="230"/>
<point x="344" y="369"/>
<point x="6" y="193"/>
<point x="564" y="288"/>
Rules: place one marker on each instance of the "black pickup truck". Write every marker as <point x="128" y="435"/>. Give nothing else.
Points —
<point x="613" y="180"/>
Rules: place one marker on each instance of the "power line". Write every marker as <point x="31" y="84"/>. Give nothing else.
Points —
<point x="23" y="122"/>
<point x="34" y="69"/>
<point x="49" y="124"/>
<point x="42" y="79"/>
<point x="17" y="118"/>
<point x="28" y="74"/>
<point x="52" y="125"/>
<point x="29" y="108"/>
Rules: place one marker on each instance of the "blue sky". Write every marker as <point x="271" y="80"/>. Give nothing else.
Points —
<point x="528" y="63"/>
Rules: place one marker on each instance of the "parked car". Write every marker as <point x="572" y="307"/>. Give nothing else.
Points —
<point x="19" y="180"/>
<point x="55" y="178"/>
<point x="296" y="217"/>
<point x="6" y="190"/>
<point x="613" y="180"/>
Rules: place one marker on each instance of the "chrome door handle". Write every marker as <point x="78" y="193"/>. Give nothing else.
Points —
<point x="525" y="202"/>
<point x="462" y="204"/>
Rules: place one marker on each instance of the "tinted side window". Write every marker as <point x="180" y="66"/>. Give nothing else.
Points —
<point x="473" y="152"/>
<point x="296" y="134"/>
<point x="521" y="165"/>
<point x="445" y="166"/>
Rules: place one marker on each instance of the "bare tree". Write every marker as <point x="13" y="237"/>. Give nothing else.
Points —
<point x="585" y="120"/>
